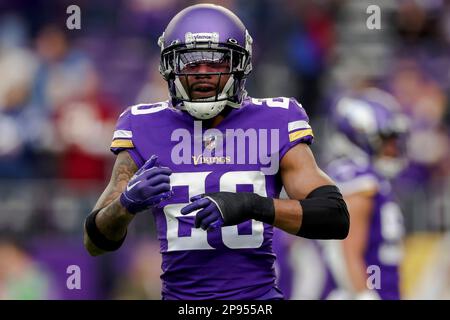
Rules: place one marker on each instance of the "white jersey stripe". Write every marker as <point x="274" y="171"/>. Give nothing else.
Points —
<point x="300" y="124"/>
<point x="123" y="134"/>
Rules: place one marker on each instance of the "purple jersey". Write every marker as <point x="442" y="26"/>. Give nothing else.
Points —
<point x="233" y="262"/>
<point x="384" y="245"/>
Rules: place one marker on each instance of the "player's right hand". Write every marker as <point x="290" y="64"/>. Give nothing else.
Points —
<point x="147" y="188"/>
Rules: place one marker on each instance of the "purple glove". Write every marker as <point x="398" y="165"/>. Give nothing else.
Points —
<point x="230" y="208"/>
<point x="207" y="218"/>
<point x="148" y="187"/>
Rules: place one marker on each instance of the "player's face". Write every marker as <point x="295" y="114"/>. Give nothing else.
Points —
<point x="201" y="84"/>
<point x="391" y="147"/>
<point x="391" y="159"/>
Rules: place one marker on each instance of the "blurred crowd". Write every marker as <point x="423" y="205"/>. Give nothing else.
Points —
<point x="62" y="90"/>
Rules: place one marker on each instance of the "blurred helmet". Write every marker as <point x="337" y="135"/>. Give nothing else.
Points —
<point x="206" y="33"/>
<point x="369" y="118"/>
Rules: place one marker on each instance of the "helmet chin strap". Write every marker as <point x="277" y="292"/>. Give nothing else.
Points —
<point x="180" y="91"/>
<point x="205" y="108"/>
<point x="390" y="167"/>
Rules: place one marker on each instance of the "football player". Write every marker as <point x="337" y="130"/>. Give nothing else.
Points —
<point x="370" y="131"/>
<point x="210" y="163"/>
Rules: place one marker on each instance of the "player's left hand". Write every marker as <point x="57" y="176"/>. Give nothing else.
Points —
<point x="229" y="208"/>
<point x="209" y="216"/>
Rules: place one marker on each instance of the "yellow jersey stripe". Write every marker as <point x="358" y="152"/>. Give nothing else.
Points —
<point x="122" y="143"/>
<point x="300" y="134"/>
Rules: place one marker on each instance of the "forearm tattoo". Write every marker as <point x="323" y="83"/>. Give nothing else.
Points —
<point x="113" y="219"/>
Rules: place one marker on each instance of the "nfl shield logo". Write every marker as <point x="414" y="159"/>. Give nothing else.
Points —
<point x="210" y="142"/>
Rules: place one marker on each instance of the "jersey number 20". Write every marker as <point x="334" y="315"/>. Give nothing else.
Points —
<point x="198" y="239"/>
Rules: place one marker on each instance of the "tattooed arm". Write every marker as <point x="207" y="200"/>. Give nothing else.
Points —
<point x="112" y="221"/>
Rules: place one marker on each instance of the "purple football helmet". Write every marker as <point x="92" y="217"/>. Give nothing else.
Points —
<point x="206" y="33"/>
<point x="369" y="117"/>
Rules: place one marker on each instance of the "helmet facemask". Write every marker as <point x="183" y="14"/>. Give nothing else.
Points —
<point x="178" y="64"/>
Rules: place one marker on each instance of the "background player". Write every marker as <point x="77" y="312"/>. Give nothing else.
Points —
<point x="370" y="132"/>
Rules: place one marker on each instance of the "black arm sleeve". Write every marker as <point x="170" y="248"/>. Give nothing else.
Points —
<point x="325" y="214"/>
<point x="242" y="206"/>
